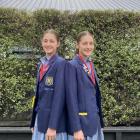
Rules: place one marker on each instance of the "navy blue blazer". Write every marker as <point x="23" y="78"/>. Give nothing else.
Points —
<point x="49" y="103"/>
<point x="83" y="99"/>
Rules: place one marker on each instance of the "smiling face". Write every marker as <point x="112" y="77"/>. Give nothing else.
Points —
<point x="85" y="45"/>
<point x="50" y="43"/>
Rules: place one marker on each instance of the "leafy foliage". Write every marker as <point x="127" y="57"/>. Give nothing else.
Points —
<point x="116" y="58"/>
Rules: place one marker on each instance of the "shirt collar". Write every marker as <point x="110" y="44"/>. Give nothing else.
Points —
<point x="44" y="60"/>
<point x="86" y="59"/>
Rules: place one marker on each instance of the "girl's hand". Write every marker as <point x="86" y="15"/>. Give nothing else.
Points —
<point x="79" y="135"/>
<point x="32" y="129"/>
<point x="51" y="134"/>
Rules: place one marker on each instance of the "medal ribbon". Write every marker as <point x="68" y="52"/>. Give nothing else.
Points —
<point x="92" y="75"/>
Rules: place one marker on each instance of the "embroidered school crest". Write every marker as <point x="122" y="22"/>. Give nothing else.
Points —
<point x="49" y="80"/>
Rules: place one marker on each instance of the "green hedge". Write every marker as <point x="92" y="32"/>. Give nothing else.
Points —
<point x="117" y="57"/>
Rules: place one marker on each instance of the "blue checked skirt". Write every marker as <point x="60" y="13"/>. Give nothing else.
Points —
<point x="41" y="136"/>
<point x="98" y="135"/>
<point x="63" y="136"/>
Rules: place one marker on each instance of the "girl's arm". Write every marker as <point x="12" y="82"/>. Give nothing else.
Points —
<point x="71" y="97"/>
<point x="35" y="100"/>
<point x="58" y="97"/>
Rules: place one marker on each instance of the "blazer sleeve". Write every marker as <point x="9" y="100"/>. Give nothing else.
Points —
<point x="98" y="98"/>
<point x="58" y="97"/>
<point x="71" y="98"/>
<point x="35" y="100"/>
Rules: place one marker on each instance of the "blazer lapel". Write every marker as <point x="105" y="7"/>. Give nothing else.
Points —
<point x="38" y="72"/>
<point x="82" y="67"/>
<point x="37" y="80"/>
<point x="51" y="62"/>
<point x="96" y="77"/>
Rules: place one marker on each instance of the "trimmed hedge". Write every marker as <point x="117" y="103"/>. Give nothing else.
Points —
<point x="116" y="58"/>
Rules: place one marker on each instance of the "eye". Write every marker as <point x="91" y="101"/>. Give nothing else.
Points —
<point x="45" y="40"/>
<point x="52" y="41"/>
<point x="91" y="43"/>
<point x="84" y="43"/>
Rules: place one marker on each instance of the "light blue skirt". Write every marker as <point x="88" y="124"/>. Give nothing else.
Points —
<point x="63" y="136"/>
<point x="98" y="136"/>
<point x="41" y="136"/>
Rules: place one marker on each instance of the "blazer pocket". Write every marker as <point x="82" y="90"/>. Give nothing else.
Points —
<point x="84" y="120"/>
